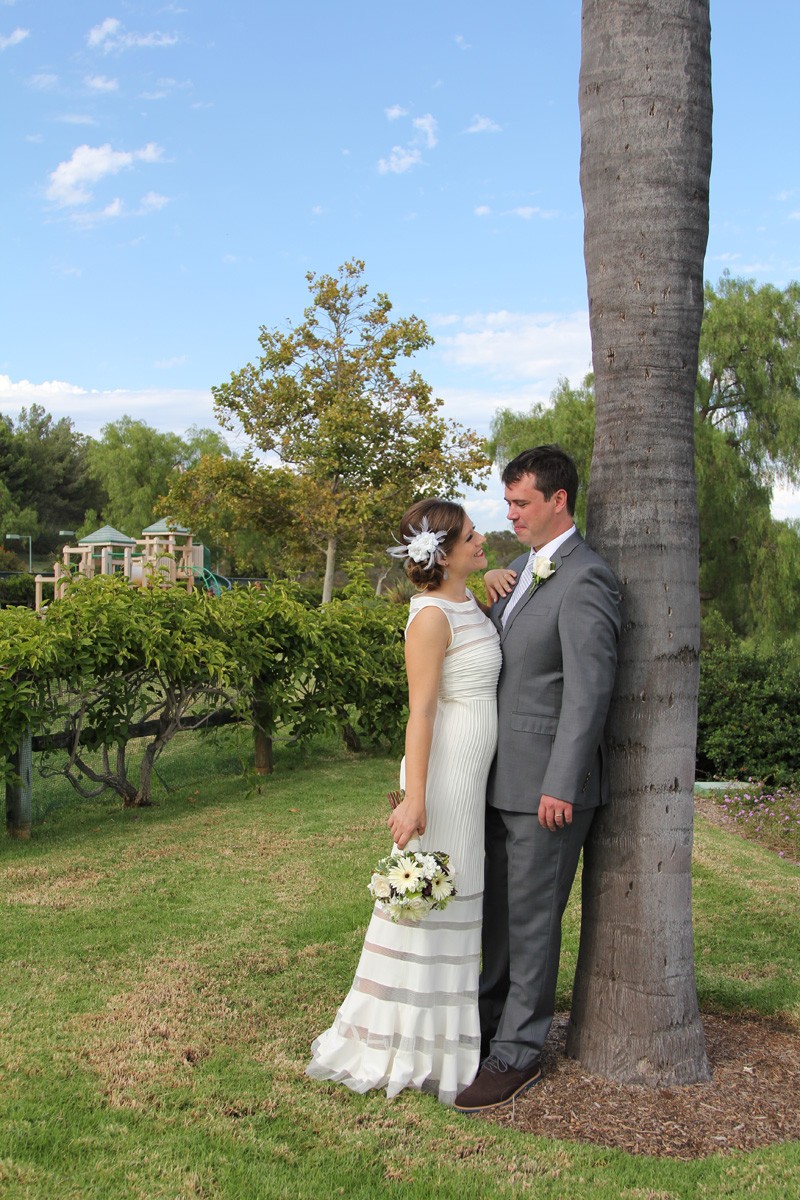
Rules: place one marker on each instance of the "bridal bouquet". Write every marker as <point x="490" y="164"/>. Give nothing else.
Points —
<point x="409" y="883"/>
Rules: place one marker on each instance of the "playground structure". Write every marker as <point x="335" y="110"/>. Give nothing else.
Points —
<point x="164" y="555"/>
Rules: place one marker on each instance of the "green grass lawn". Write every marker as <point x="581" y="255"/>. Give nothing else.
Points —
<point x="164" y="971"/>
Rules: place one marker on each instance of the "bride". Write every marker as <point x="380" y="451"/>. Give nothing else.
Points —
<point x="410" y="1018"/>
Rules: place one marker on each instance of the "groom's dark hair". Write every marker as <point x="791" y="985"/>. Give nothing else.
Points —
<point x="553" y="469"/>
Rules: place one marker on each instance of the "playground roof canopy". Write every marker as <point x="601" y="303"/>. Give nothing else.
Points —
<point x="166" y="526"/>
<point x="107" y="536"/>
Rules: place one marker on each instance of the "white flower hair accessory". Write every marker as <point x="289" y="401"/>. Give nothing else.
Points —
<point x="423" y="545"/>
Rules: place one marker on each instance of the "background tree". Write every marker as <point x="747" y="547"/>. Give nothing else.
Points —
<point x="567" y="420"/>
<point x="645" y="103"/>
<point x="247" y="513"/>
<point x="749" y="379"/>
<point x="44" y="469"/>
<point x="746" y="438"/>
<point x="134" y="464"/>
<point x="355" y="440"/>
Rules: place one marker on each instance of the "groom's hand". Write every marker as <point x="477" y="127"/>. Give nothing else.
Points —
<point x="554" y="814"/>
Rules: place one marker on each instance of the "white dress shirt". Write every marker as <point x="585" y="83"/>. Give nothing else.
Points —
<point x="524" y="581"/>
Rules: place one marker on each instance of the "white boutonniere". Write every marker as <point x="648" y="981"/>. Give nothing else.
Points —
<point x="543" y="568"/>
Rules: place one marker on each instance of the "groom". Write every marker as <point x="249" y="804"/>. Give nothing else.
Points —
<point x="558" y="631"/>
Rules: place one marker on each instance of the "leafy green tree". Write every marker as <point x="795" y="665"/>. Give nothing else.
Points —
<point x="135" y="463"/>
<point x="749" y="377"/>
<point x="244" y="512"/>
<point x="568" y="420"/>
<point x="741" y="448"/>
<point x="355" y="440"/>
<point x="45" y="469"/>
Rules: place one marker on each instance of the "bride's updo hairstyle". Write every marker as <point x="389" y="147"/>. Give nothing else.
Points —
<point x="430" y="528"/>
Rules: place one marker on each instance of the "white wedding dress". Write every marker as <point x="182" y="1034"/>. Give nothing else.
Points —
<point x="410" y="1018"/>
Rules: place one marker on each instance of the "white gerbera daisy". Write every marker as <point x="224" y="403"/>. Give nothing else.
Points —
<point x="405" y="875"/>
<point x="441" y="886"/>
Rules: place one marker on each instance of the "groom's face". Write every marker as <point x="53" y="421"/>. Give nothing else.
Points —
<point x="536" y="521"/>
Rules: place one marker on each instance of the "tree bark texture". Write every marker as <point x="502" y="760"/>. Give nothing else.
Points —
<point x="645" y="104"/>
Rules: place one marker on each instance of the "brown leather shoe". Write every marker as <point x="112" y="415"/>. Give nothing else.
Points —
<point x="496" y="1084"/>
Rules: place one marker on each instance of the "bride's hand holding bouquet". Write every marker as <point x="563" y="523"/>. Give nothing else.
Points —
<point x="408" y="818"/>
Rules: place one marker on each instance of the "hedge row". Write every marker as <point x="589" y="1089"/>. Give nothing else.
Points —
<point x="109" y="656"/>
<point x="749" y="716"/>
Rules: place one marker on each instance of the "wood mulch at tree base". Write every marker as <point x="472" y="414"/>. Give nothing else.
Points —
<point x="751" y="1101"/>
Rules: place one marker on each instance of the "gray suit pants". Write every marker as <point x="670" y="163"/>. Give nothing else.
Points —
<point x="529" y="874"/>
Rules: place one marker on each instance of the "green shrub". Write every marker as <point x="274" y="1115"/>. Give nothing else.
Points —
<point x="749" y="716"/>
<point x="17" y="589"/>
<point x="107" y="658"/>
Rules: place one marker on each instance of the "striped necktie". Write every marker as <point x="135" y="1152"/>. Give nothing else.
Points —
<point x="523" y="583"/>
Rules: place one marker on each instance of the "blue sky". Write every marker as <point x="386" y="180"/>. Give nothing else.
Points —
<point x="172" y="170"/>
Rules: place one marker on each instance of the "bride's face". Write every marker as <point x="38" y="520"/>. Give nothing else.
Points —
<point x="467" y="555"/>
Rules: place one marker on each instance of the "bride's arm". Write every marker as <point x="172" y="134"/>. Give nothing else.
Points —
<point x="426" y="643"/>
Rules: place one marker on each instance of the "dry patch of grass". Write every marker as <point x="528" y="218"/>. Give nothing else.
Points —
<point x="152" y="1035"/>
<point x="60" y="890"/>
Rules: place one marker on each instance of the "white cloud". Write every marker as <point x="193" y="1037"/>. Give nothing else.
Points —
<point x="153" y="202"/>
<point x="169" y="409"/>
<point x="795" y="216"/>
<point x="461" y="42"/>
<point x="475" y="406"/>
<point x="150" y="203"/>
<point x="488" y="509"/>
<point x="536" y="347"/>
<point x="401" y="159"/>
<point x="14" y="38"/>
<point x="101" y="83"/>
<point x="71" y="181"/>
<point x="109" y="213"/>
<point x="427" y="127"/>
<point x="99" y="34"/>
<point x="109" y="36"/>
<point x="483" y="125"/>
<point x="526" y="212"/>
<point x="76" y="119"/>
<point x="165" y="87"/>
<point x="395" y="111"/>
<point x="482" y="210"/>
<point x="43" y="82"/>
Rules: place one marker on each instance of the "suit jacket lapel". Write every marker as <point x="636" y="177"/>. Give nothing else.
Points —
<point x="559" y="555"/>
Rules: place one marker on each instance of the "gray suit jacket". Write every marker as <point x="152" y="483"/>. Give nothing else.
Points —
<point x="559" y="661"/>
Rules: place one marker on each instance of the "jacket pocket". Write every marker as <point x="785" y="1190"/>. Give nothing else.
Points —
<point x="534" y="723"/>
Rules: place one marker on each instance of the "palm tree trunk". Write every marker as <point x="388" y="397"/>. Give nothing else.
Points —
<point x="645" y="102"/>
